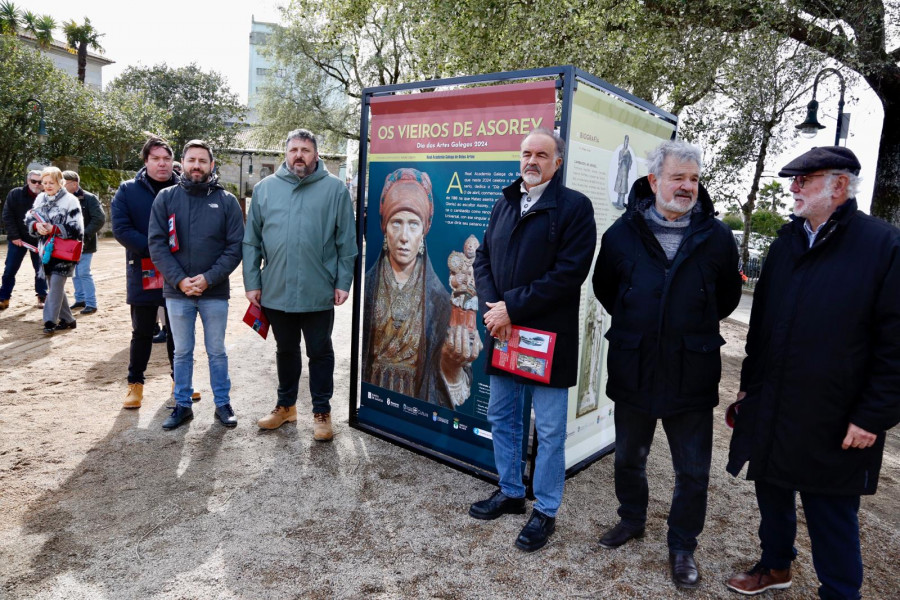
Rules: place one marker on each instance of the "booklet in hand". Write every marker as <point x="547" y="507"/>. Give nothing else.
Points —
<point x="151" y="278"/>
<point x="256" y="319"/>
<point x="528" y="353"/>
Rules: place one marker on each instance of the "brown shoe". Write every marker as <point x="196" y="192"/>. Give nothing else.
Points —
<point x="4" y="304"/>
<point x="322" y="431"/>
<point x="135" y="395"/>
<point x="278" y="417"/>
<point x="759" y="579"/>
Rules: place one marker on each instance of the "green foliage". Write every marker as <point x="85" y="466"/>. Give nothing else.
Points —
<point x="102" y="182"/>
<point x="772" y="197"/>
<point x="766" y="223"/>
<point x="10" y="18"/>
<point x="197" y="103"/>
<point x="81" y="38"/>
<point x="734" y="222"/>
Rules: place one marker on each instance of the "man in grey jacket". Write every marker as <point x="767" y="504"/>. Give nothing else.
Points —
<point x="301" y="231"/>
<point x="195" y="234"/>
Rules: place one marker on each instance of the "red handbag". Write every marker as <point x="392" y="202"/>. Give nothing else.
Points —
<point x="65" y="249"/>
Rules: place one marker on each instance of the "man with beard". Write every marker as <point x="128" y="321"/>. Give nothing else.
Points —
<point x="821" y="382"/>
<point x="18" y="202"/>
<point x="196" y="228"/>
<point x="130" y="218"/>
<point x="536" y="254"/>
<point x="667" y="272"/>
<point x="301" y="224"/>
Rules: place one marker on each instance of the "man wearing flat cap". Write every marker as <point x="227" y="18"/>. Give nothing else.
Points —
<point x="821" y="382"/>
<point x="411" y="346"/>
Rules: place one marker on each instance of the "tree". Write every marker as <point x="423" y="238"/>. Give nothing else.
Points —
<point x="10" y="18"/>
<point x="853" y="33"/>
<point x="80" y="38"/>
<point x="198" y="103"/>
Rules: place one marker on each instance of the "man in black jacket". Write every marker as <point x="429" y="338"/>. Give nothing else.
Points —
<point x="667" y="272"/>
<point x="821" y="382"/>
<point x="195" y="238"/>
<point x="536" y="254"/>
<point x="94" y="218"/>
<point x="18" y="202"/>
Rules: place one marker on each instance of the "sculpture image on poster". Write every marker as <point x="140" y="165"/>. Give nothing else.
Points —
<point x="590" y="392"/>
<point x="623" y="179"/>
<point x="419" y="340"/>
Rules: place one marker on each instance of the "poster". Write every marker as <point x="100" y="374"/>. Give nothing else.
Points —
<point x="437" y="164"/>
<point x="609" y="141"/>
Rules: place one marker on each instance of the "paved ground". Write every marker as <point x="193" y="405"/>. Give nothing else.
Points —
<point x="98" y="502"/>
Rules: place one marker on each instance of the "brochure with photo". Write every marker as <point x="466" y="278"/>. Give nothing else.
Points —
<point x="151" y="278"/>
<point x="256" y="319"/>
<point x="528" y="353"/>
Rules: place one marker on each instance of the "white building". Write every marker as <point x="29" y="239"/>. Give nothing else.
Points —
<point x="260" y="66"/>
<point x="66" y="60"/>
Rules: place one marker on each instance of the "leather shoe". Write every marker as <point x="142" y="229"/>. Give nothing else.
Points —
<point x="536" y="532"/>
<point x="498" y="504"/>
<point x="63" y="325"/>
<point x="89" y="310"/>
<point x="77" y="305"/>
<point x="684" y="570"/>
<point x="49" y="327"/>
<point x="759" y="579"/>
<point x="180" y="415"/>
<point x="226" y="416"/>
<point x="620" y="534"/>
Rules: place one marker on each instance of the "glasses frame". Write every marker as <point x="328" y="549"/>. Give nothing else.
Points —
<point x="800" y="180"/>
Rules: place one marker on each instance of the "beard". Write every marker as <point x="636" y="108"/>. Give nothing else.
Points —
<point x="531" y="177"/>
<point x="301" y="169"/>
<point x="679" y="204"/>
<point x="812" y="203"/>
<point x="198" y="176"/>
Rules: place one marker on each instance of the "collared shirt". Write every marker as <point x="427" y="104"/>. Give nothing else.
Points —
<point x="810" y="233"/>
<point x="530" y="197"/>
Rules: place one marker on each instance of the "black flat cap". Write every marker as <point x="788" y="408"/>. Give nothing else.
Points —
<point x="818" y="159"/>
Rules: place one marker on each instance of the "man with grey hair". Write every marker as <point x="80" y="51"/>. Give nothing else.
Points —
<point x="18" y="202"/>
<point x="820" y="385"/>
<point x="667" y="272"/>
<point x="301" y="224"/>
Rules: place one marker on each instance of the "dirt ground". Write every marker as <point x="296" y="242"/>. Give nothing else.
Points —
<point x="100" y="502"/>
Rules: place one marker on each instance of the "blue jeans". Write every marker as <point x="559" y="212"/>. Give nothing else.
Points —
<point x="14" y="257"/>
<point x="505" y="416"/>
<point x="84" y="282"/>
<point x="690" y="441"/>
<point x="182" y="318"/>
<point x="833" y="525"/>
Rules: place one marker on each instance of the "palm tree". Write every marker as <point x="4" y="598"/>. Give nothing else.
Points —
<point x="41" y="27"/>
<point x="10" y="17"/>
<point x="79" y="38"/>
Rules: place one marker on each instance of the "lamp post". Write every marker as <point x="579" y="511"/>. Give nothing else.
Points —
<point x="811" y="126"/>
<point x="249" y="171"/>
<point x="42" y="125"/>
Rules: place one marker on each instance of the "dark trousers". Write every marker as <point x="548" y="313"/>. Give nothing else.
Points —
<point x="14" y="257"/>
<point x="143" y="321"/>
<point x="833" y="525"/>
<point x="690" y="441"/>
<point x="316" y="328"/>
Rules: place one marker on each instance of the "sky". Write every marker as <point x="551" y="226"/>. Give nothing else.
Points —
<point x="215" y="35"/>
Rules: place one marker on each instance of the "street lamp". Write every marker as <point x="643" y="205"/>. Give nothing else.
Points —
<point x="811" y="126"/>
<point x="249" y="171"/>
<point x="42" y="125"/>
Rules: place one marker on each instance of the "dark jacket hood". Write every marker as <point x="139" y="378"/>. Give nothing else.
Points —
<point x="641" y="197"/>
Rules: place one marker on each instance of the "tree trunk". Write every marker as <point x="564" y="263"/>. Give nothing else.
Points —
<point x="886" y="194"/>
<point x="750" y="205"/>
<point x="82" y="61"/>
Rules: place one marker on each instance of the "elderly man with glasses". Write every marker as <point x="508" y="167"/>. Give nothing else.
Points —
<point x="18" y="202"/>
<point x="821" y="382"/>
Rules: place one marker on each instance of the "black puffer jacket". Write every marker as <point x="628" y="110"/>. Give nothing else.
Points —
<point x="536" y="264"/>
<point x="18" y="202"/>
<point x="664" y="340"/>
<point x="823" y="351"/>
<point x="94" y="219"/>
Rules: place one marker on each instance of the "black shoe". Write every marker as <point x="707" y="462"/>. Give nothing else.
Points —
<point x="160" y="337"/>
<point x="77" y="305"/>
<point x="536" y="532"/>
<point x="89" y="310"/>
<point x="684" y="570"/>
<point x="498" y="504"/>
<point x="63" y="325"/>
<point x="49" y="327"/>
<point x="620" y="534"/>
<point x="180" y="415"/>
<point x="226" y="415"/>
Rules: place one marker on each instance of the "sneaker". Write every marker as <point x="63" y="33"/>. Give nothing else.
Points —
<point x="225" y="415"/>
<point x="89" y="310"/>
<point x="322" y="431"/>
<point x="278" y="417"/>
<point x="79" y="304"/>
<point x="160" y="337"/>
<point x="63" y="325"/>
<point x="135" y="395"/>
<point x="4" y="304"/>
<point x="759" y="579"/>
<point x="180" y="415"/>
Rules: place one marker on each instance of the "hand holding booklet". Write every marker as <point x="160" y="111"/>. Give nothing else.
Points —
<point x="255" y="317"/>
<point x="528" y="353"/>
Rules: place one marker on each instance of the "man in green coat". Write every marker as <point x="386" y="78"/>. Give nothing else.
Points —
<point x="299" y="252"/>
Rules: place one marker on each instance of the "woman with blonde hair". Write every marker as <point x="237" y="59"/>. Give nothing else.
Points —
<point x="56" y="214"/>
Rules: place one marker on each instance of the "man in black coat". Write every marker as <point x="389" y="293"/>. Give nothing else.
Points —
<point x="821" y="382"/>
<point x="18" y="202"/>
<point x="536" y="254"/>
<point x="667" y="272"/>
<point x="94" y="219"/>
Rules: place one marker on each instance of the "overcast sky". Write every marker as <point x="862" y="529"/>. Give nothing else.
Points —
<point x="215" y="35"/>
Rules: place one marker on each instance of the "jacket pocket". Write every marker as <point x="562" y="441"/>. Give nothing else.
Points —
<point x="701" y="364"/>
<point x="624" y="360"/>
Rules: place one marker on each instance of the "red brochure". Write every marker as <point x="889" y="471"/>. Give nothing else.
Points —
<point x="151" y="278"/>
<point x="528" y="353"/>
<point x="255" y="317"/>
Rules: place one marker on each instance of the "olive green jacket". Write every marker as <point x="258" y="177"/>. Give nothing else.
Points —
<point x="300" y="240"/>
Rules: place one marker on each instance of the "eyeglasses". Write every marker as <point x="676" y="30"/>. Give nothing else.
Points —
<point x="33" y="182"/>
<point x="800" y="180"/>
